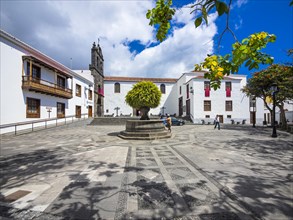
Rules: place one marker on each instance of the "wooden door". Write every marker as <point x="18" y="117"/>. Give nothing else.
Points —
<point x="90" y="111"/>
<point x="78" y="111"/>
<point x="221" y="118"/>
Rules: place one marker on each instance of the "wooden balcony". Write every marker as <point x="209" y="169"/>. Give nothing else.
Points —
<point x="45" y="87"/>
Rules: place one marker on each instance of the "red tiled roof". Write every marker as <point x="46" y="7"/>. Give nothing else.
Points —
<point x="137" y="79"/>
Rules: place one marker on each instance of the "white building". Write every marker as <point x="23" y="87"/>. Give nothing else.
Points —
<point x="189" y="96"/>
<point x="36" y="87"/>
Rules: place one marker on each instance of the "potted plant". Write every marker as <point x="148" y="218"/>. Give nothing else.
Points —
<point x="144" y="95"/>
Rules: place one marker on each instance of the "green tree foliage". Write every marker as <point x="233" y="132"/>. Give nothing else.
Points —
<point x="260" y="83"/>
<point x="144" y="94"/>
<point x="247" y="52"/>
<point x="161" y="16"/>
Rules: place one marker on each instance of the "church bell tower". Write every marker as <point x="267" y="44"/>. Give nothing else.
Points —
<point x="97" y="70"/>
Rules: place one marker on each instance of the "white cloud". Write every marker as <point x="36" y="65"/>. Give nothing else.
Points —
<point x="67" y="29"/>
<point x="184" y="15"/>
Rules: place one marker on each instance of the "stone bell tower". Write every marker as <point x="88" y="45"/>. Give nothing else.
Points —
<point x="97" y="70"/>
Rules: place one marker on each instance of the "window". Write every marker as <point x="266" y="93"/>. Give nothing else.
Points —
<point x="36" y="71"/>
<point x="163" y="88"/>
<point x="228" y="89"/>
<point x="60" y="110"/>
<point x="60" y="81"/>
<point x="180" y="90"/>
<point x="228" y="105"/>
<point x="117" y="88"/>
<point x="78" y="90"/>
<point x="207" y="89"/>
<point x="90" y="94"/>
<point x="207" y="116"/>
<point x="78" y="111"/>
<point x="33" y="108"/>
<point x="207" y="105"/>
<point x="229" y="116"/>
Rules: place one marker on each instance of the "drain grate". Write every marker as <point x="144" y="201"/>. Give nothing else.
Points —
<point x="15" y="196"/>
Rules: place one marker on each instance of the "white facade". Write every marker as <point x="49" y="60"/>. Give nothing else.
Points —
<point x="191" y="104"/>
<point x="16" y="61"/>
<point x="117" y="99"/>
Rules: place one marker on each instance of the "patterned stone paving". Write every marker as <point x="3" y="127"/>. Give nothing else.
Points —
<point x="160" y="179"/>
<point x="181" y="173"/>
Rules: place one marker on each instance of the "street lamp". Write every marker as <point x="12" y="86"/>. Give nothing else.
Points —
<point x="275" y="90"/>
<point x="253" y="109"/>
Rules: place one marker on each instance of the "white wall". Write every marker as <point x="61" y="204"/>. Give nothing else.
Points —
<point x="13" y="97"/>
<point x="113" y="100"/>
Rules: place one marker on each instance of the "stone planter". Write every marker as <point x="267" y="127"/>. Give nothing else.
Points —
<point x="144" y="130"/>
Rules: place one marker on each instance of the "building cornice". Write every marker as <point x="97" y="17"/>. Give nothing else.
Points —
<point x="137" y="79"/>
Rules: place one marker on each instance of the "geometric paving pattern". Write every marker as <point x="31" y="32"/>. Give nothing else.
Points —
<point x="180" y="173"/>
<point x="171" y="161"/>
<point x="152" y="175"/>
<point x="154" y="196"/>
<point x="165" y="154"/>
<point x="197" y="194"/>
<point x="146" y="162"/>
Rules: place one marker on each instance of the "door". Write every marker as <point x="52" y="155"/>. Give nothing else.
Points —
<point x="99" y="107"/>
<point x="78" y="111"/>
<point x="180" y="106"/>
<point x="221" y="118"/>
<point x="90" y="111"/>
<point x="188" y="107"/>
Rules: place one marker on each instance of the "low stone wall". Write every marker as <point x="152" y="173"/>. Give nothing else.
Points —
<point x="112" y="120"/>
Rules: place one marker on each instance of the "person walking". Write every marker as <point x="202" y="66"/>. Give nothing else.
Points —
<point x="169" y="122"/>
<point x="217" y="122"/>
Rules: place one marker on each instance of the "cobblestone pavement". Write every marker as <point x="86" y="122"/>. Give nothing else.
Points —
<point x="87" y="172"/>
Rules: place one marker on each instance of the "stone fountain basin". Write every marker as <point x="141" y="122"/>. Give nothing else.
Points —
<point x="144" y="130"/>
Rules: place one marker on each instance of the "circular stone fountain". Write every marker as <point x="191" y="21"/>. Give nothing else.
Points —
<point x="144" y="130"/>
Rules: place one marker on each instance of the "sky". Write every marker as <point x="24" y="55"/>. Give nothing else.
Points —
<point x="66" y="29"/>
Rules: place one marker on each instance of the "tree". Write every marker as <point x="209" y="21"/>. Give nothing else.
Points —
<point x="260" y="83"/>
<point x="247" y="52"/>
<point x="143" y="96"/>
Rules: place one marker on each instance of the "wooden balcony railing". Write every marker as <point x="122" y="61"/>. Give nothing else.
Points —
<point x="43" y="86"/>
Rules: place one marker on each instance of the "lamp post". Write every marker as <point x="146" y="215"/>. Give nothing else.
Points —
<point x="253" y="102"/>
<point x="275" y="90"/>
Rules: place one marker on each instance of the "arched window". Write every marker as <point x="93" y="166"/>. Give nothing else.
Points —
<point x="117" y="88"/>
<point x="163" y="88"/>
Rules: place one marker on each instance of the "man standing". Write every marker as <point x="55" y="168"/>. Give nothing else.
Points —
<point x="217" y="122"/>
<point x="169" y="122"/>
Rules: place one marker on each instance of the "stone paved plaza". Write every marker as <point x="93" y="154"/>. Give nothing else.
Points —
<point x="87" y="172"/>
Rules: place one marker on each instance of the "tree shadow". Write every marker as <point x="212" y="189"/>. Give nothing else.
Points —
<point x="266" y="189"/>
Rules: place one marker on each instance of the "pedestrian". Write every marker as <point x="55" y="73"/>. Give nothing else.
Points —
<point x="217" y="122"/>
<point x="169" y="122"/>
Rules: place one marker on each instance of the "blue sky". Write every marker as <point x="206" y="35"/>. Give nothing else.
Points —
<point x="65" y="31"/>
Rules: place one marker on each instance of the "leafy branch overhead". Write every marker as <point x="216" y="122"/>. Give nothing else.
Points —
<point x="161" y="16"/>
<point x="247" y="52"/>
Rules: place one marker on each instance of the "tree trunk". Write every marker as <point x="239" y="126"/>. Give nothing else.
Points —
<point x="283" y="116"/>
<point x="144" y="113"/>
